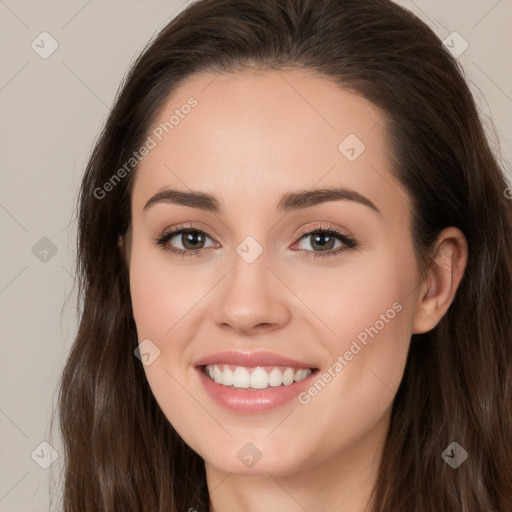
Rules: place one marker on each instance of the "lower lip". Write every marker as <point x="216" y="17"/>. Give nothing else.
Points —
<point x="250" y="400"/>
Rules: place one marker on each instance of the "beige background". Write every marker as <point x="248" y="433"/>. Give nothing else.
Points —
<point x="51" y="111"/>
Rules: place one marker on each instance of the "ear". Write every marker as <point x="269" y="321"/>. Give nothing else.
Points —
<point x="445" y="274"/>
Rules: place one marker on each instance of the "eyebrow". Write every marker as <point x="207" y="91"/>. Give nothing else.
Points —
<point x="288" y="202"/>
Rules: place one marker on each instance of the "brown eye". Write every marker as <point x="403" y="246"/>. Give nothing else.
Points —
<point x="192" y="239"/>
<point x="323" y="242"/>
<point x="184" y="241"/>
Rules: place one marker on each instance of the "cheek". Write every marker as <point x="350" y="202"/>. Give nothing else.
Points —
<point x="371" y="299"/>
<point x="369" y="315"/>
<point x="161" y="293"/>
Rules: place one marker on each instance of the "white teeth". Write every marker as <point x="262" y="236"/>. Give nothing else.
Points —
<point x="275" y="378"/>
<point x="241" y="377"/>
<point x="301" y="374"/>
<point x="227" y="377"/>
<point x="217" y="375"/>
<point x="259" y="378"/>
<point x="288" y="376"/>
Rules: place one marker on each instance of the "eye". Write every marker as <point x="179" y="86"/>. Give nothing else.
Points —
<point x="323" y="240"/>
<point x="191" y="239"/>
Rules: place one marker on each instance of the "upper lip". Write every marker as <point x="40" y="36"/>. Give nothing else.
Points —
<point x="251" y="359"/>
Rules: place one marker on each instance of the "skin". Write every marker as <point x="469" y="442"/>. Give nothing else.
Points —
<point x="252" y="137"/>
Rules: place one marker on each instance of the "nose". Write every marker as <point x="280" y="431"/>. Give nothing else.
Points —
<point x="252" y="299"/>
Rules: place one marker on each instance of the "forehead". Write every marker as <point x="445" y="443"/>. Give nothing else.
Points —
<point x="256" y="133"/>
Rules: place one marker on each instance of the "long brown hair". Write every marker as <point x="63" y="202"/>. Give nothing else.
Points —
<point x="121" y="453"/>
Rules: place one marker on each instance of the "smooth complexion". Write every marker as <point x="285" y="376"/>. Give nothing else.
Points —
<point x="253" y="137"/>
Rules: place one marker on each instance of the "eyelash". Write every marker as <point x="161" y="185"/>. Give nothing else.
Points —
<point x="349" y="242"/>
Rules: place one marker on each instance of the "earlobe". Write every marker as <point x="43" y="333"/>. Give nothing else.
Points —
<point x="444" y="277"/>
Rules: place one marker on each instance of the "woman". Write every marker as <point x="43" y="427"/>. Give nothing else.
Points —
<point x="295" y="272"/>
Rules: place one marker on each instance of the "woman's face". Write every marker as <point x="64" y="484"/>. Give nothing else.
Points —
<point x="332" y="313"/>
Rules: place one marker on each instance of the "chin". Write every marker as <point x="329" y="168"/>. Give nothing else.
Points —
<point x="256" y="458"/>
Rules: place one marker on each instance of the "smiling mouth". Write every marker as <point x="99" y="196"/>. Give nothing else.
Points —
<point x="256" y="378"/>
